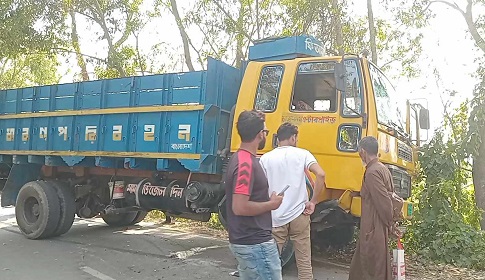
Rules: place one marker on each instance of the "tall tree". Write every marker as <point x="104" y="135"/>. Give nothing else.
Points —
<point x="183" y="34"/>
<point x="28" y="70"/>
<point x="76" y="44"/>
<point x="227" y="27"/>
<point x="477" y="144"/>
<point x="372" y="31"/>
<point x="476" y="138"/>
<point x="26" y="45"/>
<point x="117" y="19"/>
<point x="20" y="32"/>
<point x="339" y="40"/>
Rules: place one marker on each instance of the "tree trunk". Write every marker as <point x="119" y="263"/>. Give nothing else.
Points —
<point x="372" y="30"/>
<point x="240" y="36"/>
<point x="113" y="60"/>
<point x="478" y="173"/>
<point x="338" y="27"/>
<point x="77" y="47"/>
<point x="472" y="27"/>
<point x="183" y="34"/>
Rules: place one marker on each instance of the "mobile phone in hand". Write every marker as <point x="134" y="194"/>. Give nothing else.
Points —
<point x="284" y="190"/>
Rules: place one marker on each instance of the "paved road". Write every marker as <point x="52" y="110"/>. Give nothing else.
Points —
<point x="91" y="250"/>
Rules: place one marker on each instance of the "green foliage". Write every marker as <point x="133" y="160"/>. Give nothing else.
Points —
<point x="29" y="30"/>
<point x="117" y="20"/>
<point x="28" y="26"/>
<point x="214" y="222"/>
<point x="477" y="117"/>
<point x="446" y="226"/>
<point x="126" y="60"/>
<point x="28" y="70"/>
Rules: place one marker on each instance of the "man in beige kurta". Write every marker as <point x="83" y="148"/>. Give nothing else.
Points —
<point x="371" y="260"/>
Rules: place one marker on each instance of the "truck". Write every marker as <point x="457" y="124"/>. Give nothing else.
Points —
<point x="119" y="148"/>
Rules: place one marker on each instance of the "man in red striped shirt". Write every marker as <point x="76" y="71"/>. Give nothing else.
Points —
<point x="249" y="205"/>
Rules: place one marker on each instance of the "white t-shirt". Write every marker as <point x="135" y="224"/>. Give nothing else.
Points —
<point x="286" y="166"/>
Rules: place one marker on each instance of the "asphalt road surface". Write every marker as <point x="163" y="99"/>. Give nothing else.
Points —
<point x="92" y="250"/>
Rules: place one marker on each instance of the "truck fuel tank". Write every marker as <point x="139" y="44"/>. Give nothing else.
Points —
<point x="174" y="196"/>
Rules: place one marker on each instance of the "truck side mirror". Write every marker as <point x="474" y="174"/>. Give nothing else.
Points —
<point x="424" y="118"/>
<point x="339" y="73"/>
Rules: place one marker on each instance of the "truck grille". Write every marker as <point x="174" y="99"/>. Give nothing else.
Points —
<point x="404" y="152"/>
<point x="402" y="182"/>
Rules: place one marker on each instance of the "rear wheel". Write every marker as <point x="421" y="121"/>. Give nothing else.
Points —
<point x="124" y="219"/>
<point x="67" y="207"/>
<point x="287" y="255"/>
<point x="140" y="217"/>
<point x="222" y="215"/>
<point x="338" y="236"/>
<point x="37" y="210"/>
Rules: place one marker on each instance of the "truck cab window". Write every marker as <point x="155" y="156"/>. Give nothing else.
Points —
<point x="315" y="88"/>
<point x="268" y="88"/>
<point x="352" y="97"/>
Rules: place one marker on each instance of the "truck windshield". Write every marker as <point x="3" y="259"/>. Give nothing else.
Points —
<point x="390" y="106"/>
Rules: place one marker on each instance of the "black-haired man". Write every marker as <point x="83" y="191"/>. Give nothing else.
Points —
<point x="249" y="204"/>
<point x="284" y="166"/>
<point x="371" y="259"/>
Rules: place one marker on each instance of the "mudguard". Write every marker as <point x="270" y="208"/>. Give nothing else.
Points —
<point x="20" y="174"/>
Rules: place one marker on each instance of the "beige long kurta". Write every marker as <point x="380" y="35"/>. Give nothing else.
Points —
<point x="371" y="260"/>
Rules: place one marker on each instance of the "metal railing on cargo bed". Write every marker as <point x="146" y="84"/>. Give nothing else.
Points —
<point x="157" y="122"/>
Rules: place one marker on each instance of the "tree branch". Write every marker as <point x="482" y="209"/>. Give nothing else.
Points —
<point x="74" y="52"/>
<point x="472" y="26"/>
<point x="452" y="5"/>
<point x="128" y="30"/>
<point x="389" y="62"/>
<point x="77" y="46"/>
<point x="198" y="54"/>
<point x="207" y="37"/>
<point x="466" y="169"/>
<point x="468" y="16"/>
<point x="183" y="34"/>
<point x="229" y="17"/>
<point x="4" y="64"/>
<point x="86" y="15"/>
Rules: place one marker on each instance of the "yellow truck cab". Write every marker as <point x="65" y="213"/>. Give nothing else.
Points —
<point x="335" y="101"/>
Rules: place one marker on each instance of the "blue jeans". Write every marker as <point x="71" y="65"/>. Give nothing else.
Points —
<point x="259" y="261"/>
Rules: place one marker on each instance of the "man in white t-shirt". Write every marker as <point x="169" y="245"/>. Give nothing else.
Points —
<point x="284" y="166"/>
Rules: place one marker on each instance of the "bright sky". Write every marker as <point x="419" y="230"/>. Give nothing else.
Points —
<point x="447" y="47"/>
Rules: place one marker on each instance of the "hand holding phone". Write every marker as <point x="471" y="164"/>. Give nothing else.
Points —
<point x="284" y="190"/>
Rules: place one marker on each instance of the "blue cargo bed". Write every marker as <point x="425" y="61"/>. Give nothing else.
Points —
<point x="166" y="122"/>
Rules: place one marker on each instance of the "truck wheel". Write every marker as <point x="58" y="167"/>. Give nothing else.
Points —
<point x="67" y="207"/>
<point x="338" y="236"/>
<point x="222" y="215"/>
<point x="139" y="217"/>
<point x="37" y="210"/>
<point x="120" y="220"/>
<point x="287" y="255"/>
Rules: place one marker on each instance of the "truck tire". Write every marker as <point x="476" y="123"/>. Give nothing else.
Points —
<point x="287" y="255"/>
<point x="140" y="217"/>
<point x="338" y="236"/>
<point x="221" y="214"/>
<point x="67" y="206"/>
<point x="120" y="220"/>
<point x="37" y="210"/>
